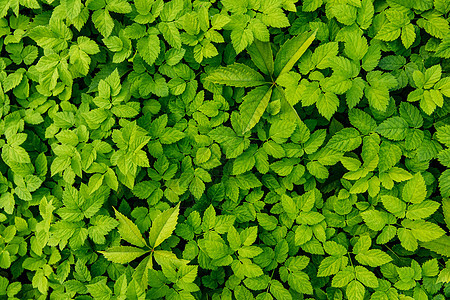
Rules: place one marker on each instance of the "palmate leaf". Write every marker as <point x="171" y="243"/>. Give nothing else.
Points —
<point x="291" y="51"/>
<point x="238" y="75"/>
<point x="254" y="106"/>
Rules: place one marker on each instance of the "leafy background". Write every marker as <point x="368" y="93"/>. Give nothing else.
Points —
<point x="155" y="150"/>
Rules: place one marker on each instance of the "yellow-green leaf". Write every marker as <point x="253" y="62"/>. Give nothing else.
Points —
<point x="122" y="254"/>
<point x="129" y="231"/>
<point x="291" y="51"/>
<point x="163" y="226"/>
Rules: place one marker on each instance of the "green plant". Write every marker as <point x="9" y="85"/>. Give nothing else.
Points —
<point x="234" y="149"/>
<point x="239" y="75"/>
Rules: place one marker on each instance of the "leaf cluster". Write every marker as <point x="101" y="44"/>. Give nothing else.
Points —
<point x="235" y="149"/>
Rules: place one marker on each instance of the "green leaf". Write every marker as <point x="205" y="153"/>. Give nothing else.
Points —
<point x="119" y="6"/>
<point x="408" y="35"/>
<point x="170" y="34"/>
<point x="241" y="38"/>
<point x="444" y="183"/>
<point x="355" y="46"/>
<point x="378" y="90"/>
<point x="394" y="205"/>
<point x="373" y="258"/>
<point x="280" y="131"/>
<point x="249" y="235"/>
<point x="291" y="51"/>
<point x="355" y="290"/>
<point x="300" y="282"/>
<point x="122" y="254"/>
<point x="129" y="231"/>
<point x="72" y="7"/>
<point x="415" y="190"/>
<point x="443" y="134"/>
<point x="163" y="226"/>
<point x="411" y="114"/>
<point x="374" y="219"/>
<point x="434" y="24"/>
<point x="330" y="266"/>
<point x="95" y="182"/>
<point x="388" y="32"/>
<point x="278" y="291"/>
<point x="342" y="278"/>
<point x="249" y="251"/>
<point x="394" y="128"/>
<point x="261" y="55"/>
<point x="440" y="245"/>
<point x="446" y="210"/>
<point x="424" y="231"/>
<point x="422" y="210"/>
<point x="366" y="277"/>
<point x="266" y="221"/>
<point x="443" y="50"/>
<point x="171" y="135"/>
<point x="347" y="139"/>
<point x="103" y="22"/>
<point x="149" y="48"/>
<point x="407" y="239"/>
<point x="197" y="187"/>
<point x="444" y="157"/>
<point x="362" y="121"/>
<point x="5" y="4"/>
<point x="101" y="225"/>
<point x="237" y="74"/>
<point x="323" y="53"/>
<point x="253" y="106"/>
<point x="430" y="268"/>
<point x="287" y="107"/>
<point x="311" y="5"/>
<point x="327" y="104"/>
<point x="289" y="206"/>
<point x="317" y="169"/>
<point x="99" y="289"/>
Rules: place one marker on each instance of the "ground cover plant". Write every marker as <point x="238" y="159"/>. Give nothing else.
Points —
<point x="235" y="149"/>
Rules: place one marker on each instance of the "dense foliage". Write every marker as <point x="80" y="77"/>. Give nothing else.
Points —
<point x="235" y="149"/>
